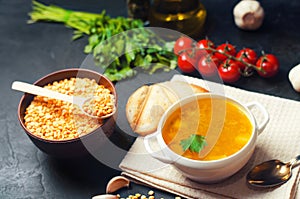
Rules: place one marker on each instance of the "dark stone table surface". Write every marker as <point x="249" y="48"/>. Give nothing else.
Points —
<point x="28" y="52"/>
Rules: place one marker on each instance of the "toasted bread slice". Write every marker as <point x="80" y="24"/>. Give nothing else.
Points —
<point x="181" y="89"/>
<point x="148" y="103"/>
<point x="135" y="104"/>
<point x="157" y="103"/>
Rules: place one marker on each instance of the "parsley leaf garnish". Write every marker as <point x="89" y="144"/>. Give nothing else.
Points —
<point x="195" y="143"/>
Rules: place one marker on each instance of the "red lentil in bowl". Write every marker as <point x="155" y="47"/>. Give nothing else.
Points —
<point x="58" y="120"/>
<point x="71" y="132"/>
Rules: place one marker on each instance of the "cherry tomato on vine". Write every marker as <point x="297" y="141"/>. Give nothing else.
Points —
<point x="231" y="61"/>
<point x="208" y="65"/>
<point x="225" y="48"/>
<point x="267" y="65"/>
<point x="182" y="43"/>
<point x="229" y="71"/>
<point x="186" y="63"/>
<point x="247" y="55"/>
<point x="202" y="46"/>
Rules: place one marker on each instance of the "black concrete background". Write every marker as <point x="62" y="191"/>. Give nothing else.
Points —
<point x="28" y="52"/>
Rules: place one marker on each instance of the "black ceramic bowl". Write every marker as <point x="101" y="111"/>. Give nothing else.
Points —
<point x="76" y="147"/>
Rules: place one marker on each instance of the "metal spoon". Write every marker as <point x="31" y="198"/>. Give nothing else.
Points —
<point x="272" y="173"/>
<point x="36" y="90"/>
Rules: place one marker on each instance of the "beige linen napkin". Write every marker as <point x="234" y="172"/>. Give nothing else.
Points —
<point x="280" y="139"/>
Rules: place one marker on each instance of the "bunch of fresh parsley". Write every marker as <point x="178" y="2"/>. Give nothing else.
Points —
<point x="124" y="53"/>
<point x="119" y="55"/>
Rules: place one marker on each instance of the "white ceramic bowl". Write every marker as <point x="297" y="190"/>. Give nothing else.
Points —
<point x="207" y="171"/>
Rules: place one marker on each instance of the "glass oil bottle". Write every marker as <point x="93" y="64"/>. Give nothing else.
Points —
<point x="185" y="16"/>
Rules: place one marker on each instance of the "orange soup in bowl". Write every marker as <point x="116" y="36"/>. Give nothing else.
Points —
<point x="185" y="129"/>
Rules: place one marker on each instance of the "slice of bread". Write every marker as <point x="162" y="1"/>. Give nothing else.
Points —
<point x="147" y="104"/>
<point x="136" y="103"/>
<point x="157" y="103"/>
<point x="181" y="89"/>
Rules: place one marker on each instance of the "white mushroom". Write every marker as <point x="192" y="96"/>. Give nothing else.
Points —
<point x="294" y="77"/>
<point x="248" y="14"/>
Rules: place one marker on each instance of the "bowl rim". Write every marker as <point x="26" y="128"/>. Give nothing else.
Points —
<point x="28" y="132"/>
<point x="188" y="99"/>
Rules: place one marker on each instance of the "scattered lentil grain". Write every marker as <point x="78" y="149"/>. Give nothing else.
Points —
<point x="140" y="196"/>
<point x="151" y="193"/>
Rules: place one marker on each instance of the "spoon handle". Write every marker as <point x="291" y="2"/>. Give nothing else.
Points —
<point x="295" y="161"/>
<point x="36" y="90"/>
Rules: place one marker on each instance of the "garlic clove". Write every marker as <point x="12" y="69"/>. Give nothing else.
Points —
<point x="117" y="183"/>
<point x="248" y="14"/>
<point x="294" y="77"/>
<point x="105" y="196"/>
